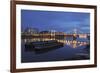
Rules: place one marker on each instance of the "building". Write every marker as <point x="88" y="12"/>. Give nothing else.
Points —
<point x="31" y="30"/>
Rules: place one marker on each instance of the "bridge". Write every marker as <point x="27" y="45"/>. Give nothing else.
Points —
<point x="73" y="33"/>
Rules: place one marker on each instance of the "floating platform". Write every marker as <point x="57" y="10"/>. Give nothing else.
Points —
<point x="41" y="45"/>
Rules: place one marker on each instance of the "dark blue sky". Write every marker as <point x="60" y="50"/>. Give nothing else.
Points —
<point x="54" y="20"/>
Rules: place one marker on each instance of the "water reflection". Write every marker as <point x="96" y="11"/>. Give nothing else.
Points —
<point x="72" y="43"/>
<point x="72" y="49"/>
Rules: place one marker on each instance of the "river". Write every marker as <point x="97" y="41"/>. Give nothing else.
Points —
<point x="56" y="54"/>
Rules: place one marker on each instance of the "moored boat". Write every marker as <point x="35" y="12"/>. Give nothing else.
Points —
<point x="40" y="45"/>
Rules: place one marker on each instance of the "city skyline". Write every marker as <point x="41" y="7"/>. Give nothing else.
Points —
<point x="53" y="20"/>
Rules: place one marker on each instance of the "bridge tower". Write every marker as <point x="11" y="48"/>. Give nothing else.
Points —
<point x="75" y="32"/>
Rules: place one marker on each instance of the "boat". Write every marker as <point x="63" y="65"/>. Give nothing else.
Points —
<point x="41" y="45"/>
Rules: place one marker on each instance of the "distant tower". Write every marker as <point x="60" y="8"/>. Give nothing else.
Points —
<point x="75" y="32"/>
<point x="31" y="30"/>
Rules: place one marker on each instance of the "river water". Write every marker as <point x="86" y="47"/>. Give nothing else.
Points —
<point x="56" y="54"/>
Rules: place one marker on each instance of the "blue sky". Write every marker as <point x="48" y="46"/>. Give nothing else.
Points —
<point x="54" y="20"/>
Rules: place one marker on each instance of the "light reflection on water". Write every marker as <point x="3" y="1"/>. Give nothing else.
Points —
<point x="73" y="43"/>
<point x="72" y="50"/>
